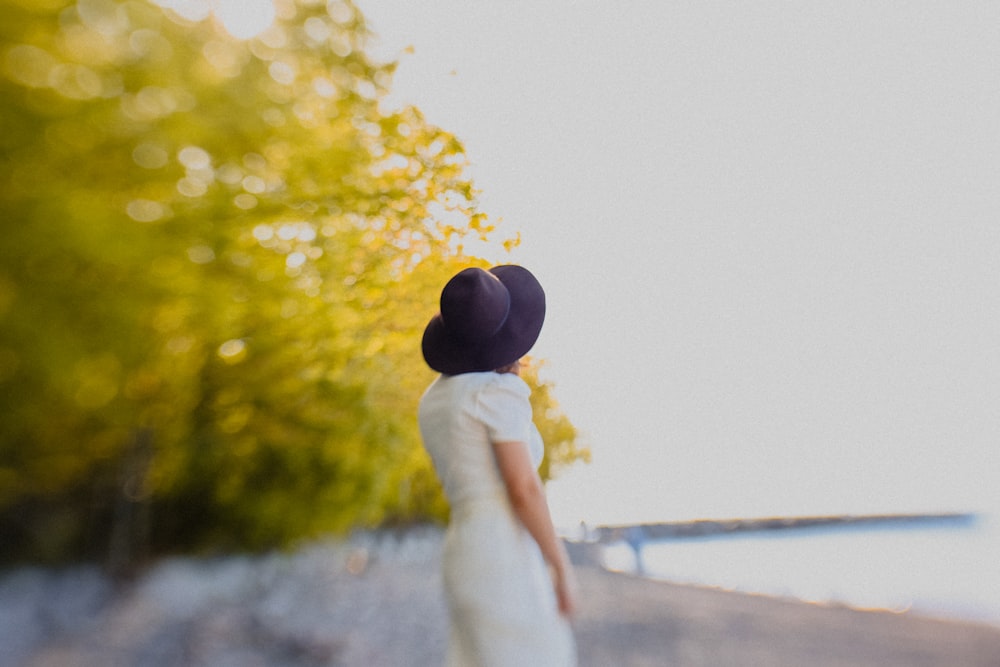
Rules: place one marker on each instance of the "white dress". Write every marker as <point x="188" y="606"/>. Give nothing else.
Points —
<point x="500" y="597"/>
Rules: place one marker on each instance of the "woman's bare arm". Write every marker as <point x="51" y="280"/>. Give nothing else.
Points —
<point x="527" y="498"/>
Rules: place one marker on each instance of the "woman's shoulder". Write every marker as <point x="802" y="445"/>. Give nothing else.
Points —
<point x="503" y="381"/>
<point x="490" y="382"/>
<point x="504" y="387"/>
<point x="502" y="402"/>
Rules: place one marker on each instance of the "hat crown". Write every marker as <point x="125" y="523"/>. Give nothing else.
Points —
<point x="474" y="305"/>
<point x="487" y="319"/>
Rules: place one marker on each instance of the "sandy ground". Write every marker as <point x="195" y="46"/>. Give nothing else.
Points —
<point x="626" y="621"/>
<point x="376" y="601"/>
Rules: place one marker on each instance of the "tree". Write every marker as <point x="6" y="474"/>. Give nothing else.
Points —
<point x="563" y="445"/>
<point x="217" y="258"/>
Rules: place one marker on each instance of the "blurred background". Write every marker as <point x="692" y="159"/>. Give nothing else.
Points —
<point x="219" y="253"/>
<point x="768" y="235"/>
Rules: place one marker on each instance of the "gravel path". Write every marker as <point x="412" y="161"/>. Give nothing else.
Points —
<point x="375" y="600"/>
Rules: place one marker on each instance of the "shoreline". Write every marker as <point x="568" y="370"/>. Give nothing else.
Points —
<point x="589" y="554"/>
<point x="909" y="611"/>
<point x="632" y="620"/>
<point x="926" y="564"/>
<point x="376" y="599"/>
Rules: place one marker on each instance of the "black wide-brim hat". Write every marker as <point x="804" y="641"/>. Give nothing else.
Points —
<point x="488" y="319"/>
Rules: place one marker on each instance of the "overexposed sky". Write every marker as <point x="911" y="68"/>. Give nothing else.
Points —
<point x="769" y="233"/>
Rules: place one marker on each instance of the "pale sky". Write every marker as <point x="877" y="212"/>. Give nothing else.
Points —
<point x="769" y="234"/>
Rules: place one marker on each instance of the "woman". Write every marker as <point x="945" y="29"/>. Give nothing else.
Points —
<point x="509" y="584"/>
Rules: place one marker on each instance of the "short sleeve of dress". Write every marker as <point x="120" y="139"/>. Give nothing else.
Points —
<point x="504" y="408"/>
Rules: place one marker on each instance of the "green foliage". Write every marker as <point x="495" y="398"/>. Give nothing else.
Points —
<point x="224" y="250"/>
<point x="562" y="441"/>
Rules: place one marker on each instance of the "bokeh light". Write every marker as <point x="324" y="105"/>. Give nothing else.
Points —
<point x="244" y="19"/>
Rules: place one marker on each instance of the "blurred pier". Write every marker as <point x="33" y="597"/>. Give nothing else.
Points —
<point x="637" y="535"/>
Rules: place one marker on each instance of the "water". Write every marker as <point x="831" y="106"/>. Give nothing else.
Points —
<point x="942" y="570"/>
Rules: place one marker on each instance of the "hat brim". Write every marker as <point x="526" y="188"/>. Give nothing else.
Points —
<point x="513" y="339"/>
